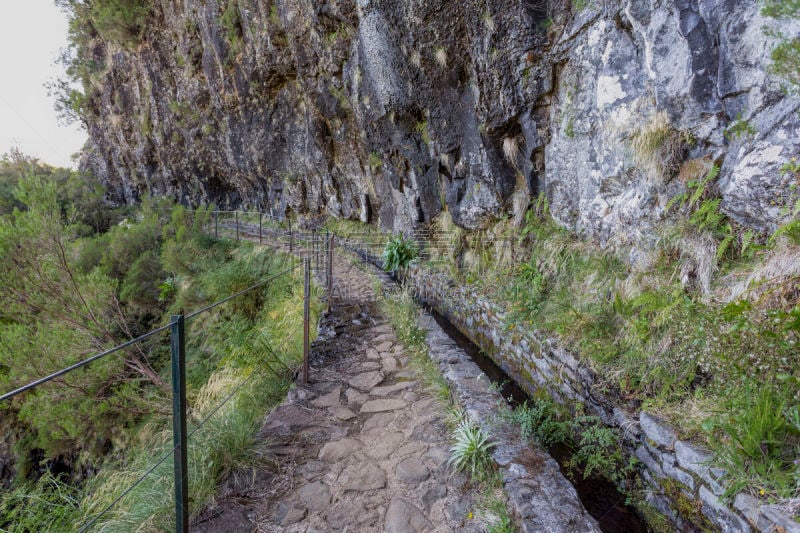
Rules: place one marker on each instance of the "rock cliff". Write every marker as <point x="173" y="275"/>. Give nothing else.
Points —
<point x="393" y="110"/>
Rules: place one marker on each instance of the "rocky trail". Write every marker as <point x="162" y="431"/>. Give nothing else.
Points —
<point x="362" y="447"/>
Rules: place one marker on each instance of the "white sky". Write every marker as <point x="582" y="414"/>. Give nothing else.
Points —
<point x="31" y="34"/>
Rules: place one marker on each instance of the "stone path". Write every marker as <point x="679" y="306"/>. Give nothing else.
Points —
<point x="363" y="446"/>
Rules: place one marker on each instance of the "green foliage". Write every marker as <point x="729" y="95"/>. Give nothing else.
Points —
<point x="246" y="348"/>
<point x="471" y="451"/>
<point x="121" y="21"/>
<point x="398" y="253"/>
<point x="375" y="161"/>
<point x="790" y="230"/>
<point x="540" y="420"/>
<point x="55" y="315"/>
<point x="231" y="22"/>
<point x="402" y="313"/>
<point x="423" y="130"/>
<point x="49" y="504"/>
<point x="598" y="450"/>
<point x="569" y="129"/>
<point x="757" y="440"/>
<point x="738" y="128"/>
<point x="786" y="55"/>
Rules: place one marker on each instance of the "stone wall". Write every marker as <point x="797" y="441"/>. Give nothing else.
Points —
<point x="676" y="474"/>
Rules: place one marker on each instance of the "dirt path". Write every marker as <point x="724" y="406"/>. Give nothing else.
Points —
<point x="362" y="447"/>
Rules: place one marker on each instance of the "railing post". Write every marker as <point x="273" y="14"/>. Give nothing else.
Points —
<point x="291" y="238"/>
<point x="236" y="214"/>
<point x="260" y="221"/>
<point x="216" y="224"/>
<point x="178" y="344"/>
<point x="306" y="316"/>
<point x="330" y="271"/>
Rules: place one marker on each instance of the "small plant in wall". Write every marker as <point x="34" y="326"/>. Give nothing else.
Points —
<point x="398" y="253"/>
<point x="471" y="451"/>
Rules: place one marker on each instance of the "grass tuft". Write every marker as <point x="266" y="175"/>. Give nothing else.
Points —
<point x="657" y="148"/>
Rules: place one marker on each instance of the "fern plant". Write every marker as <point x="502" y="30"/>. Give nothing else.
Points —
<point x="471" y="451"/>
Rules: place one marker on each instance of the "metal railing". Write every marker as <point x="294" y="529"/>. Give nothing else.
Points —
<point x="309" y="247"/>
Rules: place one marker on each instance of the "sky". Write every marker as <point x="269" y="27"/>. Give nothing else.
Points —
<point x="32" y="32"/>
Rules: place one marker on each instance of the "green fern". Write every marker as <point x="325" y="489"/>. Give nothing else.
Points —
<point x="724" y="245"/>
<point x="699" y="188"/>
<point x="708" y="217"/>
<point x="790" y="230"/>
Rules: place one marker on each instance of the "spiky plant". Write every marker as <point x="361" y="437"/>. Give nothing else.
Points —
<point x="471" y="451"/>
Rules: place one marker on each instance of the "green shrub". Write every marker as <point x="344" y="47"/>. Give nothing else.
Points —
<point x="398" y="253"/>
<point x="539" y="420"/>
<point x="121" y="21"/>
<point x="757" y="440"/>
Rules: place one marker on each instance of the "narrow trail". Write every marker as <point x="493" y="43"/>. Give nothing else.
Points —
<point x="362" y="447"/>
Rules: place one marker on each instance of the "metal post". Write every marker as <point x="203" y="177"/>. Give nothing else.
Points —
<point x="330" y="271"/>
<point x="178" y="344"/>
<point x="306" y="316"/>
<point x="291" y="238"/>
<point x="216" y="224"/>
<point x="236" y="214"/>
<point x="260" y="220"/>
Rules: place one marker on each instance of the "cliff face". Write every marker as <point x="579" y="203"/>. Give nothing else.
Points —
<point x="392" y="110"/>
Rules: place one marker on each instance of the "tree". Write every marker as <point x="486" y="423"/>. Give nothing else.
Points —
<point x="52" y="315"/>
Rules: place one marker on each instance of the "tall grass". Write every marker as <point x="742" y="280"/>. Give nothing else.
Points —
<point x="240" y="360"/>
<point x="256" y="343"/>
